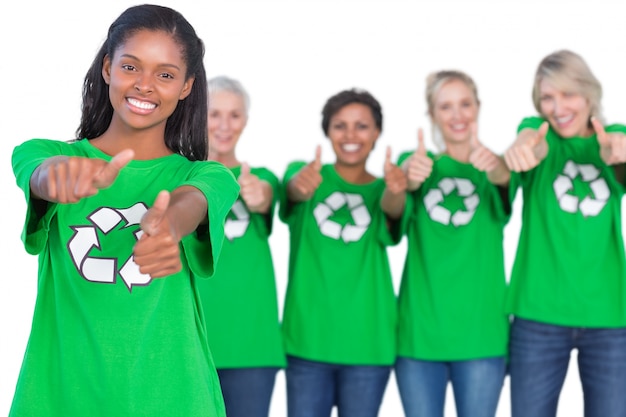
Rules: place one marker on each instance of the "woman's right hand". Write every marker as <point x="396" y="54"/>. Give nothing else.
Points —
<point x="65" y="179"/>
<point x="303" y="185"/>
<point x="528" y="150"/>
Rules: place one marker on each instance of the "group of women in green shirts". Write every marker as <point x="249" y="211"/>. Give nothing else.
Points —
<point x="456" y="318"/>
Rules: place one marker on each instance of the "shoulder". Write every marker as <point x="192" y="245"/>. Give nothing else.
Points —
<point x="532" y="122"/>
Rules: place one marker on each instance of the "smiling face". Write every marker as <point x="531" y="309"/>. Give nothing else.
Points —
<point x="567" y="112"/>
<point x="227" y="118"/>
<point x="454" y="110"/>
<point x="352" y="131"/>
<point x="146" y="78"/>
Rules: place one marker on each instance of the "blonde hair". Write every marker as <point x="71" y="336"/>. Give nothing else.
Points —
<point x="568" y="71"/>
<point x="434" y="82"/>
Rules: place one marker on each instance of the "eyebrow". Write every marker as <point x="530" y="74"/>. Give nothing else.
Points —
<point x="137" y="59"/>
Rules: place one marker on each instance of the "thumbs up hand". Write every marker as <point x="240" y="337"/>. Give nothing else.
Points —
<point x="612" y="145"/>
<point x="257" y="194"/>
<point x="157" y="252"/>
<point x="528" y="150"/>
<point x="480" y="156"/>
<point x="418" y="166"/>
<point x="485" y="160"/>
<point x="304" y="184"/>
<point x="395" y="179"/>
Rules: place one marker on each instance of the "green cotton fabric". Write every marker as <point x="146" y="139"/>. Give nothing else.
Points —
<point x="240" y="302"/>
<point x="105" y="339"/>
<point x="453" y="288"/>
<point x="340" y="305"/>
<point x="569" y="268"/>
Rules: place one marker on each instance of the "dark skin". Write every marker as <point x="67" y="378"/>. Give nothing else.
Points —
<point x="146" y="78"/>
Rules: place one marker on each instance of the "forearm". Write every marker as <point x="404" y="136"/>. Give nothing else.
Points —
<point x="500" y="175"/>
<point x="187" y="209"/>
<point x="393" y="204"/>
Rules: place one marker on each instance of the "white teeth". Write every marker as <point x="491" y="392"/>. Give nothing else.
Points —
<point x="141" y="104"/>
<point x="565" y="119"/>
<point x="350" y="147"/>
<point x="459" y="126"/>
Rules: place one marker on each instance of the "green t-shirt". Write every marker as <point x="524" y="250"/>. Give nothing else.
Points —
<point x="453" y="288"/>
<point x="569" y="268"/>
<point x="340" y="305"/>
<point x="240" y="302"/>
<point x="105" y="339"/>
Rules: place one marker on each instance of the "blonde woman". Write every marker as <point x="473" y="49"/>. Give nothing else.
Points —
<point x="452" y="324"/>
<point x="568" y="279"/>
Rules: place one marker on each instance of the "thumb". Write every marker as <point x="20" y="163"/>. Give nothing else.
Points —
<point x="421" y="148"/>
<point x="541" y="133"/>
<point x="317" y="162"/>
<point x="245" y="170"/>
<point x="110" y="171"/>
<point x="153" y="217"/>
<point x="600" y="132"/>
<point x="388" y="163"/>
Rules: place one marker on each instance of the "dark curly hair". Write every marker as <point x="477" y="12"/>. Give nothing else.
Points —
<point x="343" y="98"/>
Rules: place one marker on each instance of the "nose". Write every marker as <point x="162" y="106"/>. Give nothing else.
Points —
<point x="557" y="105"/>
<point x="223" y="123"/>
<point x="456" y="112"/>
<point x="143" y="84"/>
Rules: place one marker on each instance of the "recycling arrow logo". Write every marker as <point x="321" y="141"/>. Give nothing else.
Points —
<point x="237" y="226"/>
<point x="436" y="196"/>
<point x="349" y="232"/>
<point x="85" y="239"/>
<point x="593" y="203"/>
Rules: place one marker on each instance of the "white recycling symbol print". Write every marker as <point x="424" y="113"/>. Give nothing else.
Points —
<point x="237" y="227"/>
<point x="349" y="232"/>
<point x="435" y="196"/>
<point x="85" y="238"/>
<point x="591" y="205"/>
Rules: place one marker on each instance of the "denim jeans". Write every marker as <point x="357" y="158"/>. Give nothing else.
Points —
<point x="247" y="391"/>
<point x="539" y="358"/>
<point x="476" y="385"/>
<point x="313" y="388"/>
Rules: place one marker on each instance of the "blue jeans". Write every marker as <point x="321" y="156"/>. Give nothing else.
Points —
<point x="247" y="391"/>
<point x="476" y="385"/>
<point x="539" y="359"/>
<point x="313" y="388"/>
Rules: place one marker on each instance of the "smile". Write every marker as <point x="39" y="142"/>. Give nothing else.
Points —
<point x="141" y="104"/>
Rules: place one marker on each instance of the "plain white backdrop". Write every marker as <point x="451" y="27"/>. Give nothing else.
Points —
<point x="292" y="56"/>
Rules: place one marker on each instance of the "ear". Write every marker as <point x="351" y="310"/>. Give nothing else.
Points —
<point x="106" y="69"/>
<point x="187" y="88"/>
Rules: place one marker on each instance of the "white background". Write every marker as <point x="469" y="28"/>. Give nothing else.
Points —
<point x="291" y="56"/>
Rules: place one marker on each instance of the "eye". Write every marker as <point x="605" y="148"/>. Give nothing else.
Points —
<point x="362" y="126"/>
<point x="166" y="75"/>
<point x="338" y="126"/>
<point x="128" y="67"/>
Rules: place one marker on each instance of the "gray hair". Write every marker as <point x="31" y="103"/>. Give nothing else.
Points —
<point x="569" y="72"/>
<point x="223" y="83"/>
